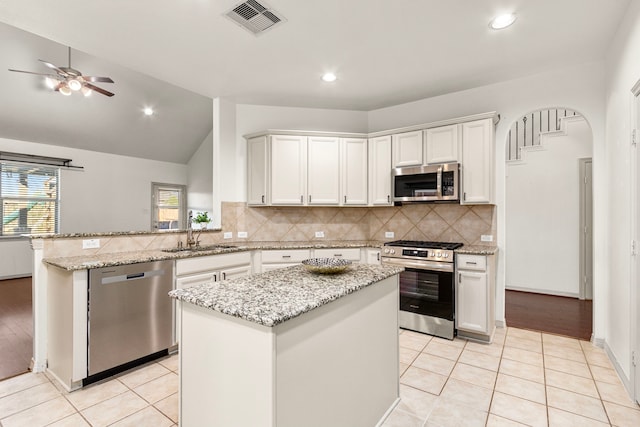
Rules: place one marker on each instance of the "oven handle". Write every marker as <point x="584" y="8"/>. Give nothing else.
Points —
<point x="420" y="265"/>
<point x="439" y="183"/>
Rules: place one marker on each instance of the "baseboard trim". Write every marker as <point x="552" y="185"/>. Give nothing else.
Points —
<point x="626" y="382"/>
<point x="542" y="291"/>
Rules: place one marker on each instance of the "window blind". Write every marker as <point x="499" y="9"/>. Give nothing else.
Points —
<point x="30" y="199"/>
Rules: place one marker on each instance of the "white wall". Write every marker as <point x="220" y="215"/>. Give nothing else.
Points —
<point x="543" y="213"/>
<point x="200" y="177"/>
<point x="623" y="71"/>
<point x="112" y="193"/>
<point x="578" y="87"/>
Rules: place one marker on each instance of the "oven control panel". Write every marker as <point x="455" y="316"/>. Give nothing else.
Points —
<point x="442" y="255"/>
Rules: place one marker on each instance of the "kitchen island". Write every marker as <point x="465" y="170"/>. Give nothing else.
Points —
<point x="290" y="348"/>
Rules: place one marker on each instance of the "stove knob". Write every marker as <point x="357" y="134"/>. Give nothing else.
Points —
<point x="386" y="251"/>
<point x="446" y="255"/>
<point x="393" y="251"/>
<point x="439" y="254"/>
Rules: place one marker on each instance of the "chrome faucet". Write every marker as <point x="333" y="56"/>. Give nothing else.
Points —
<point x="190" y="241"/>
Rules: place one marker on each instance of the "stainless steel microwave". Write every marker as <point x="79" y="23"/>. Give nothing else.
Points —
<point x="434" y="183"/>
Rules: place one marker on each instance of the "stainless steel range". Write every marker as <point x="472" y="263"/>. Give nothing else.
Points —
<point x="427" y="286"/>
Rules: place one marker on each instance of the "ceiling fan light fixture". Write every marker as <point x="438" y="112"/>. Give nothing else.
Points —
<point x="74" y="84"/>
<point x="329" y="77"/>
<point x="86" y="91"/>
<point x="51" y="83"/>
<point x="64" y="89"/>
<point x="148" y="111"/>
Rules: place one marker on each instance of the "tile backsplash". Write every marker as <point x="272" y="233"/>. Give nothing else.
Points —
<point x="442" y="222"/>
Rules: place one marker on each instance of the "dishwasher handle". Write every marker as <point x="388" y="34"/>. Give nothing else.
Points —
<point x="133" y="276"/>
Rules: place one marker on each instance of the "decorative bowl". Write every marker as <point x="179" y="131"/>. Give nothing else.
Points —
<point x="326" y="265"/>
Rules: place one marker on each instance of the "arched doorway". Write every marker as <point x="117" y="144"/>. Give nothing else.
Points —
<point x="548" y="227"/>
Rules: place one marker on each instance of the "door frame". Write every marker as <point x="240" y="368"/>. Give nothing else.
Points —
<point x="586" y="246"/>
<point x="635" y="225"/>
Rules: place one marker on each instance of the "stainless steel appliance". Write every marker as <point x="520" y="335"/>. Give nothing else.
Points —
<point x="427" y="286"/>
<point x="130" y="316"/>
<point x="435" y="183"/>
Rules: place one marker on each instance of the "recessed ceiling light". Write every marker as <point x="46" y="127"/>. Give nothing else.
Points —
<point x="502" y="21"/>
<point x="329" y="77"/>
<point x="148" y="111"/>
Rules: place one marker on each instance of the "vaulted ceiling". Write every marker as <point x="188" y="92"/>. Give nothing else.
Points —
<point x="383" y="52"/>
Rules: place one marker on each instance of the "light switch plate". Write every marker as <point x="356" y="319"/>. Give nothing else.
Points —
<point x="389" y="234"/>
<point x="90" y="243"/>
<point x="242" y="234"/>
<point x="228" y="235"/>
<point x="486" y="238"/>
<point x="319" y="233"/>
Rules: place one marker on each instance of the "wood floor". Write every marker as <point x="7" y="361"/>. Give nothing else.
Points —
<point x="16" y="327"/>
<point x="547" y="313"/>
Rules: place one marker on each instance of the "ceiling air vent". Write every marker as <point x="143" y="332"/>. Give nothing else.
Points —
<point x="255" y="17"/>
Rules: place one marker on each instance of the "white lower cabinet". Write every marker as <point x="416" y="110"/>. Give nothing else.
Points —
<point x="475" y="296"/>
<point x="372" y="255"/>
<point x="206" y="269"/>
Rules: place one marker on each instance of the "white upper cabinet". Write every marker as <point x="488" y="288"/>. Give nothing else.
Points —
<point x="407" y="149"/>
<point x="380" y="171"/>
<point x="478" y="174"/>
<point x="442" y="144"/>
<point x="354" y="171"/>
<point x="257" y="168"/>
<point x="288" y="170"/>
<point x="323" y="179"/>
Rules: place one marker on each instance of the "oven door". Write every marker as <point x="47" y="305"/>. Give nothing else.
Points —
<point x="427" y="292"/>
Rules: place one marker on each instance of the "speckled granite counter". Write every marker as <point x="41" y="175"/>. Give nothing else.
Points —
<point x="477" y="250"/>
<point x="121" y="258"/>
<point x="273" y="297"/>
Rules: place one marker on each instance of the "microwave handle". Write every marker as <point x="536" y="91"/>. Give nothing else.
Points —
<point x="439" y="183"/>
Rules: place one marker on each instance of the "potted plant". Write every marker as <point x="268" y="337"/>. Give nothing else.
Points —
<point x="202" y="219"/>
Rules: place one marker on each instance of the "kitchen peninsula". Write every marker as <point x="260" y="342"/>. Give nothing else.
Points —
<point x="289" y="347"/>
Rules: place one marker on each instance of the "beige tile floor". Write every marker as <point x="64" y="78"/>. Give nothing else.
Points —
<point x="146" y="396"/>
<point x="523" y="378"/>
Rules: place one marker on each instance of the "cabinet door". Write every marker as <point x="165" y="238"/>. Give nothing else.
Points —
<point x="323" y="177"/>
<point x="233" y="272"/>
<point x="288" y="169"/>
<point x="442" y="144"/>
<point x="477" y="162"/>
<point x="380" y="171"/>
<point x="257" y="167"/>
<point x="472" y="303"/>
<point x="354" y="171"/>
<point x="373" y="256"/>
<point x="196" y="279"/>
<point x="407" y="149"/>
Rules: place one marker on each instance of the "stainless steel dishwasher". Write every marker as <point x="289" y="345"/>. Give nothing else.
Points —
<point x="130" y="316"/>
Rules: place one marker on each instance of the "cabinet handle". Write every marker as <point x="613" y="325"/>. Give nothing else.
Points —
<point x="224" y="276"/>
<point x="263" y="198"/>
<point x="378" y="256"/>
<point x="388" y="198"/>
<point x="336" y="255"/>
<point x="301" y="199"/>
<point x="471" y="263"/>
<point x="215" y="277"/>
<point x="464" y="196"/>
<point x="345" y="199"/>
<point x="459" y="277"/>
<point x="286" y="256"/>
<point x="309" y="198"/>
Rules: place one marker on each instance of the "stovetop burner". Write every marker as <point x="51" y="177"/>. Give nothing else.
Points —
<point x="426" y="245"/>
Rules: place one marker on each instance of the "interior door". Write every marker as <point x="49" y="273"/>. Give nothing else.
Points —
<point x="635" y="224"/>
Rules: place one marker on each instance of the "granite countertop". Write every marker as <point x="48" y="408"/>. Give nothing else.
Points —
<point x="477" y="250"/>
<point x="276" y="296"/>
<point x="121" y="258"/>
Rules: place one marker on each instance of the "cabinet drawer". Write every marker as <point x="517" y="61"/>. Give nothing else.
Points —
<point x="352" y="254"/>
<point x="471" y="262"/>
<point x="285" y="256"/>
<point x="213" y="262"/>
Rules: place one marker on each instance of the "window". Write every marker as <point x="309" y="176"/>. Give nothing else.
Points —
<point x="30" y="199"/>
<point x="168" y="203"/>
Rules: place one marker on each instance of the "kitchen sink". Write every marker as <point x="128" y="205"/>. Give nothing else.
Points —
<point x="199" y="248"/>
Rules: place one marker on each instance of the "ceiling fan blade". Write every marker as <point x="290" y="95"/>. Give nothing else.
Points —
<point x="98" y="89"/>
<point x="53" y="67"/>
<point x="55" y="76"/>
<point x="98" y="79"/>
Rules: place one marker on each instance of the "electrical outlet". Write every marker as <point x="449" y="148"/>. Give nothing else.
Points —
<point x="242" y="234"/>
<point x="91" y="244"/>
<point x="228" y="235"/>
<point x="319" y="233"/>
<point x="389" y="234"/>
<point x="486" y="238"/>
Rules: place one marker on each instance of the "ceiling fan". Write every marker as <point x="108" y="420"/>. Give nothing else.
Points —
<point x="68" y="80"/>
